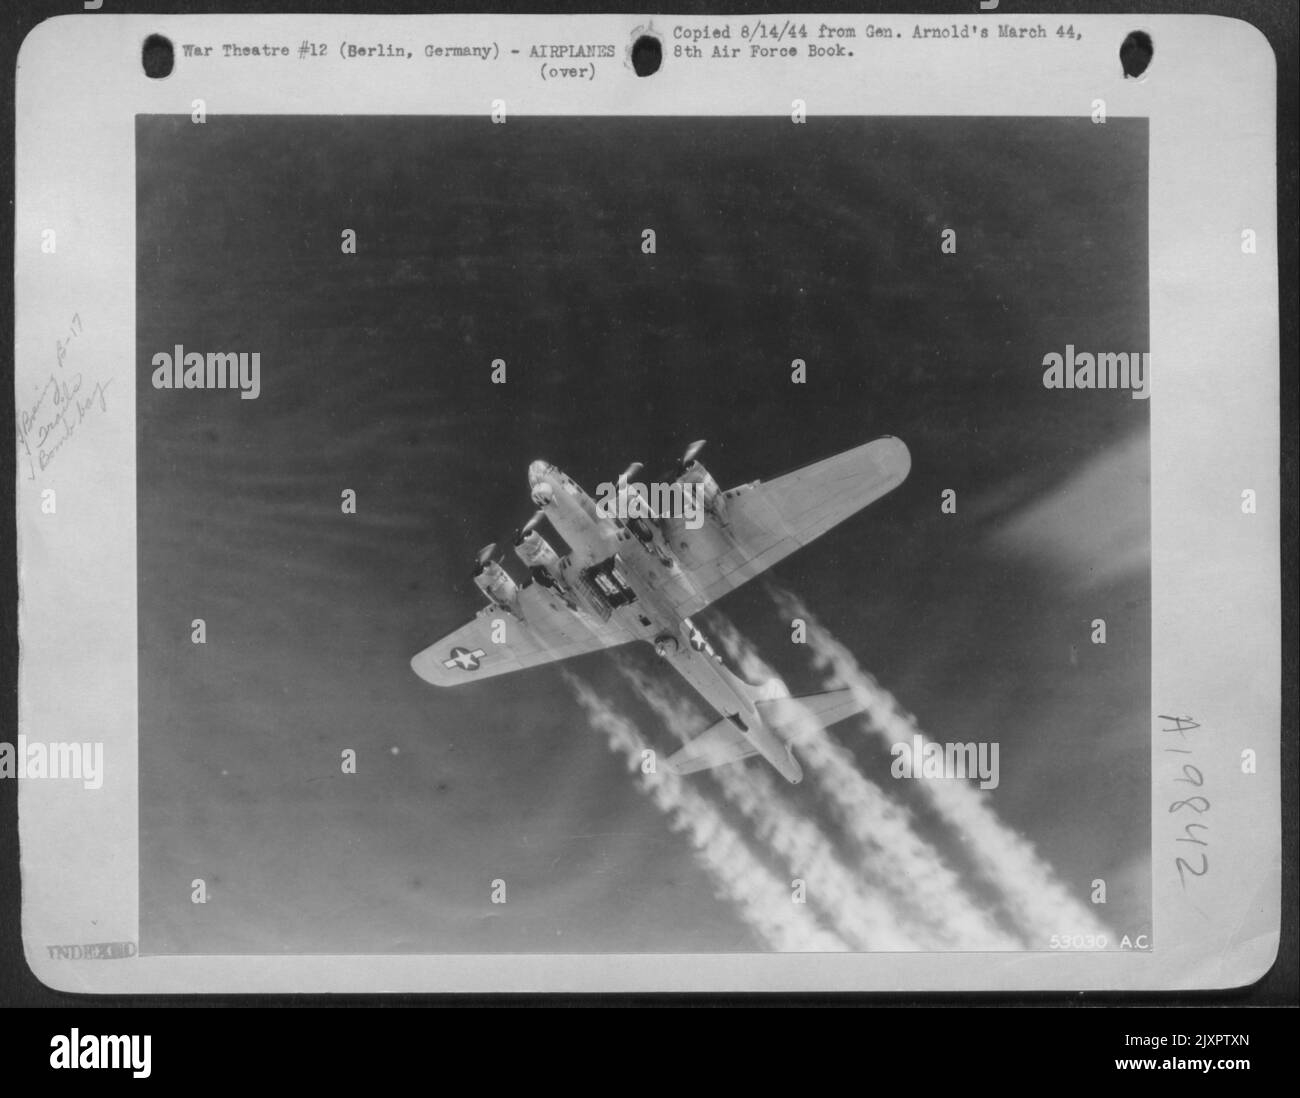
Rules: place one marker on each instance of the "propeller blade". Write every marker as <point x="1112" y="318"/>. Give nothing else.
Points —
<point x="631" y="471"/>
<point x="531" y="524"/>
<point x="678" y="467"/>
<point x="484" y="555"/>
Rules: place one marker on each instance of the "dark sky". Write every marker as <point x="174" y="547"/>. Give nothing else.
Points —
<point x="522" y="242"/>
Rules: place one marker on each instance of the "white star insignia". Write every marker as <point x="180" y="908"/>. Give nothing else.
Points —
<point x="464" y="659"/>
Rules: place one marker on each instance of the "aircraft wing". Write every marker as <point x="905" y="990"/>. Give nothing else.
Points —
<point x="766" y="522"/>
<point x="549" y="631"/>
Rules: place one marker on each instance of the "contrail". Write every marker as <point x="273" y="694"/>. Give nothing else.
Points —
<point x="761" y="898"/>
<point x="862" y="918"/>
<point x="1033" y="896"/>
<point x="894" y="856"/>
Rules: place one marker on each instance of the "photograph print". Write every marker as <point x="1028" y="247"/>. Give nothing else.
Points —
<point x="642" y="535"/>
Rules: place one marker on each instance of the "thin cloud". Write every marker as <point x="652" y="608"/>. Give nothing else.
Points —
<point x="1092" y="530"/>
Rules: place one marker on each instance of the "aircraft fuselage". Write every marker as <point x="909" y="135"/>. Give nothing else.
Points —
<point x="613" y="573"/>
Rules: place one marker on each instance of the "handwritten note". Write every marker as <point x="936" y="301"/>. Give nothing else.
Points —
<point x="1193" y="803"/>
<point x="65" y="400"/>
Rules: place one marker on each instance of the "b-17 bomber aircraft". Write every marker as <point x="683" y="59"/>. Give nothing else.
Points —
<point x="634" y="571"/>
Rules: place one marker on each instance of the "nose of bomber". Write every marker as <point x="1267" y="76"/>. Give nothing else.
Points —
<point x="536" y="471"/>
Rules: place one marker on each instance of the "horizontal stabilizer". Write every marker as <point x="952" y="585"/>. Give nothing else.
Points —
<point x="793" y="718"/>
<point x="717" y="745"/>
<point x="790" y="718"/>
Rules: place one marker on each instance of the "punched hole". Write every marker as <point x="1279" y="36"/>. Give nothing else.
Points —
<point x="158" y="57"/>
<point x="1136" y="53"/>
<point x="647" y="55"/>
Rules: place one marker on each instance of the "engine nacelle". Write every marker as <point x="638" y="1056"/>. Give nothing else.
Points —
<point x="536" y="552"/>
<point x="495" y="582"/>
<point x="709" y="494"/>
